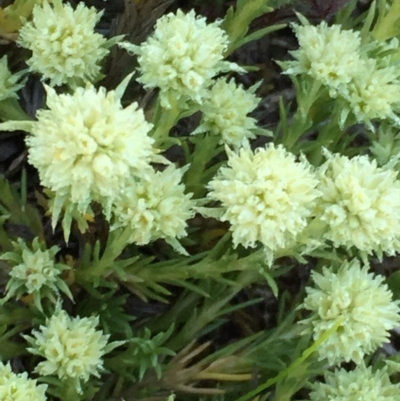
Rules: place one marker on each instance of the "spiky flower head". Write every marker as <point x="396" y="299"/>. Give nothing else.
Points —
<point x="362" y="383"/>
<point x="182" y="56"/>
<point x="35" y="272"/>
<point x="360" y="301"/>
<point x="9" y="84"/>
<point x="86" y="145"/>
<point x="72" y="348"/>
<point x="18" y="387"/>
<point x="225" y="112"/>
<point x="155" y="207"/>
<point x="360" y="204"/>
<point x="65" y="48"/>
<point x="373" y="94"/>
<point x="328" y="54"/>
<point x="266" y="196"/>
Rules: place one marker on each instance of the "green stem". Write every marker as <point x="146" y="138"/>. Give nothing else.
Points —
<point x="210" y="312"/>
<point x="164" y="120"/>
<point x="70" y="393"/>
<point x="328" y="137"/>
<point x="306" y="354"/>
<point x="206" y="148"/>
<point x="306" y="97"/>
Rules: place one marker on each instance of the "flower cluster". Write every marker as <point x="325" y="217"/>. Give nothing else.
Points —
<point x="18" y="387"/>
<point x="34" y="272"/>
<point x="267" y="196"/>
<point x="65" y="48"/>
<point x="360" y="204"/>
<point x="225" y="112"/>
<point x="334" y="58"/>
<point x="362" y="383"/>
<point x="72" y="348"/>
<point x="9" y="84"/>
<point x="86" y="145"/>
<point x="360" y="301"/>
<point x="374" y="94"/>
<point x="182" y="56"/>
<point x="155" y="207"/>
<point x="323" y="56"/>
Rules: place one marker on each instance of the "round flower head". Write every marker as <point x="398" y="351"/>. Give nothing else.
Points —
<point x="9" y="84"/>
<point x="72" y="348"/>
<point x="18" y="387"/>
<point x="359" y="384"/>
<point x="86" y="145"/>
<point x="182" y="56"/>
<point x="65" y="48"/>
<point x="266" y="196"/>
<point x="361" y="301"/>
<point x="360" y="204"/>
<point x="374" y="94"/>
<point x="327" y="54"/>
<point x="225" y="111"/>
<point x="35" y="272"/>
<point x="155" y="207"/>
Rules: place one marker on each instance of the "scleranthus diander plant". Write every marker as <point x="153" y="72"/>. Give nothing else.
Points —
<point x="65" y="48"/>
<point x="19" y="387"/>
<point x="35" y="273"/>
<point x="267" y="196"/>
<point x="359" y="204"/>
<point x="191" y="54"/>
<point x="362" y="382"/>
<point x="72" y="348"/>
<point x="361" y="301"/>
<point x="202" y="214"/>
<point x="225" y="113"/>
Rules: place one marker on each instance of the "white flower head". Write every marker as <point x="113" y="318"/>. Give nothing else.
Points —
<point x="155" y="207"/>
<point x="328" y="54"/>
<point x="35" y="272"/>
<point x="72" y="347"/>
<point x="65" y="48"/>
<point x="9" y="84"/>
<point x="18" y="387"/>
<point x="362" y="383"/>
<point x="360" y="204"/>
<point x="225" y="112"/>
<point x="266" y="196"/>
<point x="182" y="56"/>
<point x="86" y="145"/>
<point x="361" y="301"/>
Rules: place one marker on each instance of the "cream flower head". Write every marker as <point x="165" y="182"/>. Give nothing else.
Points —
<point x="182" y="56"/>
<point x="374" y="94"/>
<point x="360" y="204"/>
<point x="266" y="196"/>
<point x="35" y="272"/>
<point x="225" y="112"/>
<point x="65" y="48"/>
<point x="328" y="54"/>
<point x="155" y="207"/>
<point x="86" y="145"/>
<point x="72" y="348"/>
<point x="18" y="387"/>
<point x="358" y="298"/>
<point x="362" y="383"/>
<point x="9" y="84"/>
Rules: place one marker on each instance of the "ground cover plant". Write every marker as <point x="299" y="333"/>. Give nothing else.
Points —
<point x="199" y="200"/>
